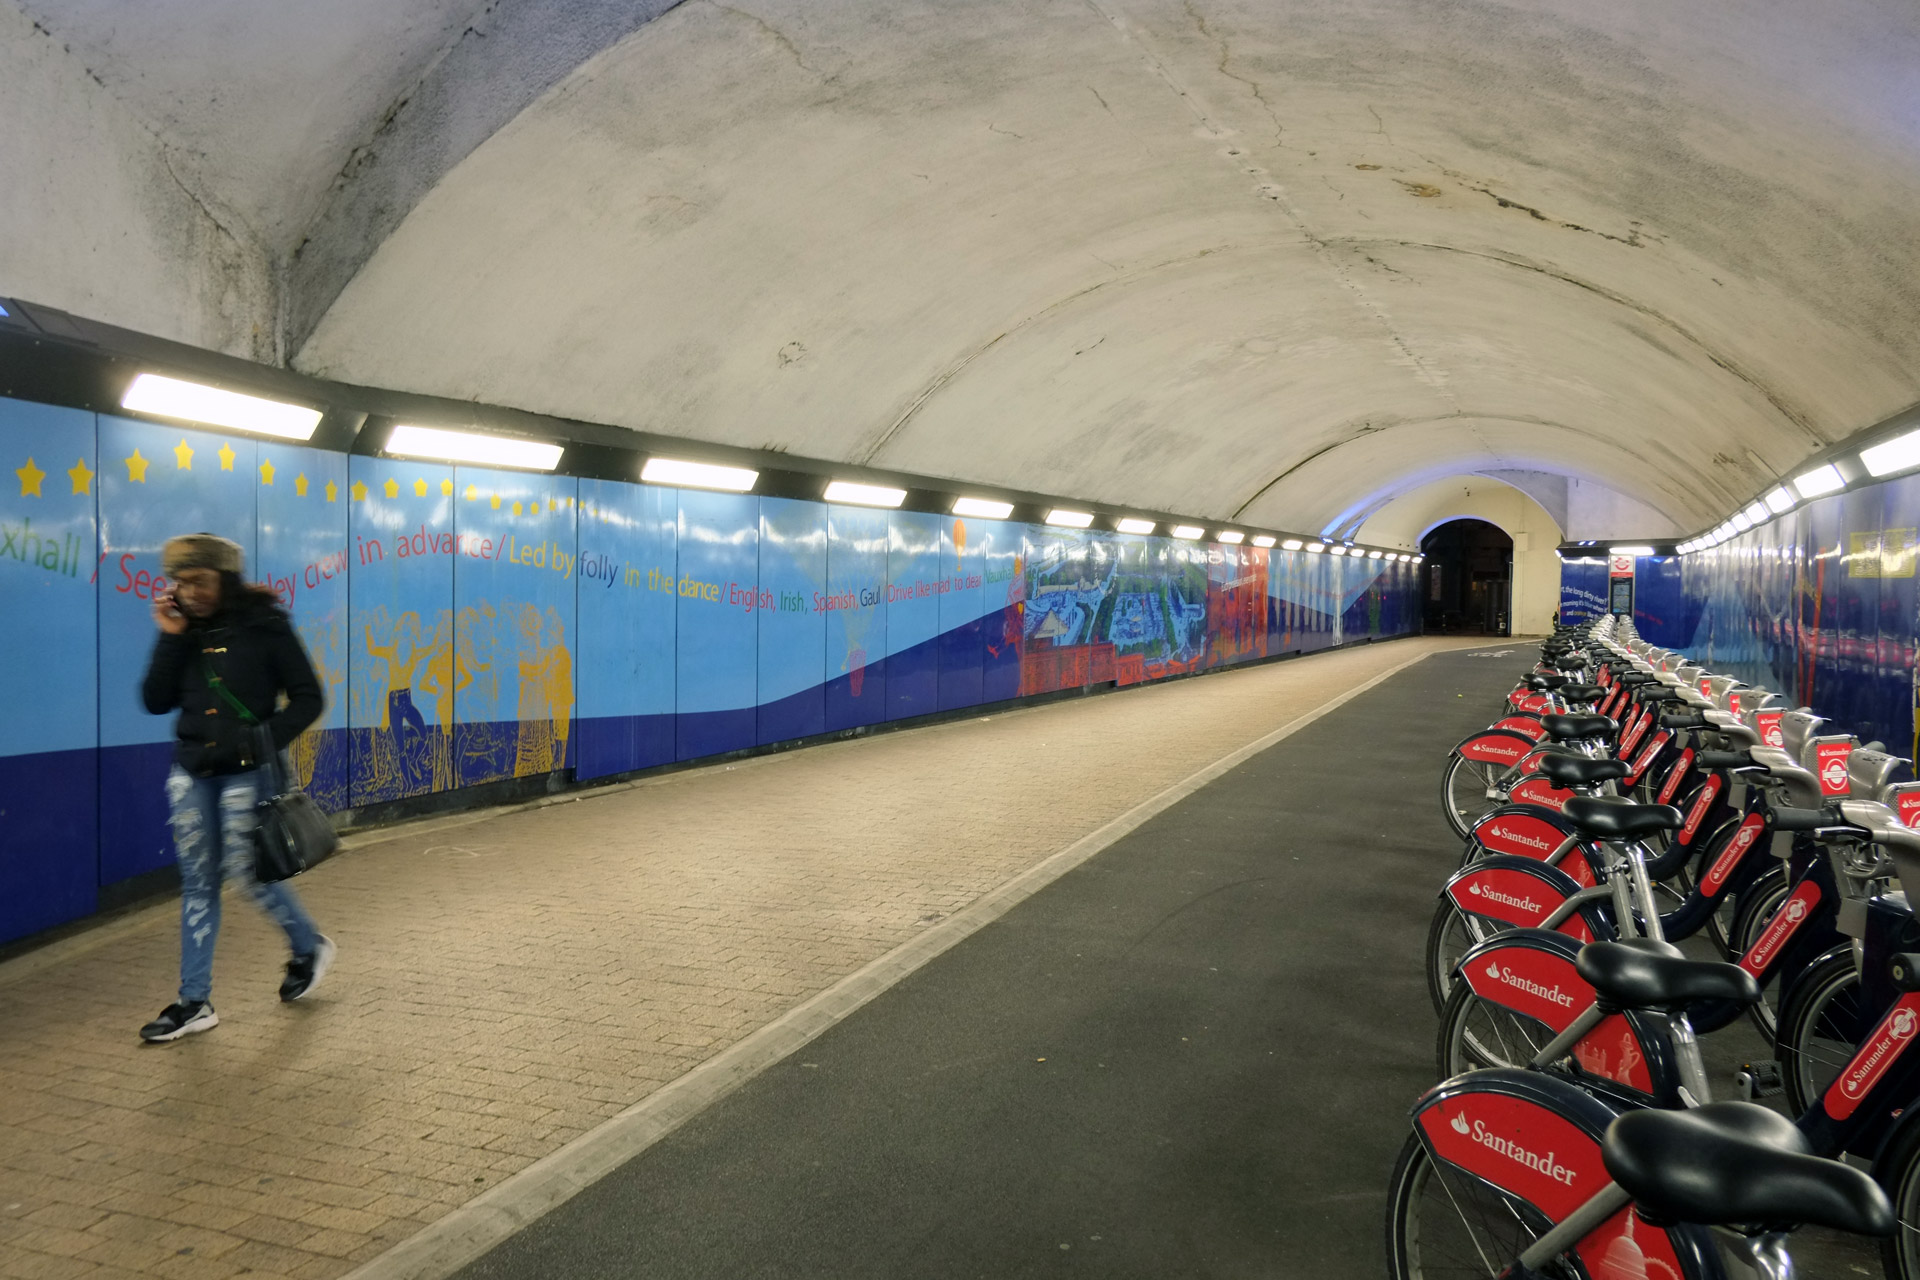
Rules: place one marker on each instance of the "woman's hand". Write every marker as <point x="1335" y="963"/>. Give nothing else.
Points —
<point x="167" y="615"/>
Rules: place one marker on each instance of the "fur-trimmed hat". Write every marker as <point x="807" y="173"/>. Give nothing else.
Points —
<point x="200" y="551"/>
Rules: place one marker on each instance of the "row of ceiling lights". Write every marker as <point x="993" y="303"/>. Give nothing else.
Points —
<point x="164" y="397"/>
<point x="1888" y="458"/>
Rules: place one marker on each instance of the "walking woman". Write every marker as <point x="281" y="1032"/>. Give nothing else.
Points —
<point x="225" y="654"/>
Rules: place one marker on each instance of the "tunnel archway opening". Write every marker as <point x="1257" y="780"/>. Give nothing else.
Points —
<point x="1469" y="583"/>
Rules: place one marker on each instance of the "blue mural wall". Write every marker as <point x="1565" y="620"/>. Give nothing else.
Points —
<point x="1817" y="605"/>
<point x="473" y="625"/>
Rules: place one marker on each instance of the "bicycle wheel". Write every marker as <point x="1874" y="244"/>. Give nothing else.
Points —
<point x="1442" y="1227"/>
<point x="1448" y="938"/>
<point x="1821" y="1020"/>
<point x="1463" y="792"/>
<point x="1898" y="1171"/>
<point x="1755" y="907"/>
<point x="1475" y="1032"/>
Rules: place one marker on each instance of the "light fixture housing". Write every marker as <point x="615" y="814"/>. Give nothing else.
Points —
<point x="1337" y="549"/>
<point x="697" y="475"/>
<point x="1230" y="536"/>
<point x="1740" y="522"/>
<point x="409" y="441"/>
<point x="1316" y="547"/>
<point x="1780" y="501"/>
<point x="1756" y="511"/>
<point x="982" y="508"/>
<point x="1822" y="479"/>
<point x="1293" y="544"/>
<point x="1267" y="540"/>
<point x="1069" y="519"/>
<point x="864" y="495"/>
<point x="1186" y="531"/>
<point x="164" y="397"/>
<point x="1901" y="453"/>
<point x="1375" y="555"/>
<point x="1133" y="524"/>
<point x="1630" y="551"/>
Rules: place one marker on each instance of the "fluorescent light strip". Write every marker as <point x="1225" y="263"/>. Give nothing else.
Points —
<point x="1338" y="550"/>
<point x="1826" y="479"/>
<point x="1757" y="512"/>
<point x="1186" y="531"/>
<point x="1898" y="454"/>
<point x="1069" y="519"/>
<point x="697" y="475"/>
<point x="407" y="441"/>
<point x="1294" y="544"/>
<point x="984" y="508"/>
<point x="1267" y="540"/>
<point x="865" y="495"/>
<point x="163" y="397"/>
<point x="1740" y="522"/>
<point x="1374" y="555"/>
<point x="1630" y="551"/>
<point x="1130" y="524"/>
<point x="1780" y="501"/>
<point x="1316" y="547"/>
<point x="1231" y="536"/>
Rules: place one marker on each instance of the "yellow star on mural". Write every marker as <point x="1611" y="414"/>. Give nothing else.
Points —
<point x="183" y="454"/>
<point x="473" y="491"/>
<point x="266" y="473"/>
<point x="30" y="478"/>
<point x="496" y="502"/>
<point x="136" y="468"/>
<point x="300" y="484"/>
<point x="226" y="457"/>
<point x="419" y="488"/>
<point x="392" y="488"/>
<point x="332" y="491"/>
<point x="81" y="477"/>
<point x="359" y="491"/>
<point x="446" y="488"/>
<point x="516" y="508"/>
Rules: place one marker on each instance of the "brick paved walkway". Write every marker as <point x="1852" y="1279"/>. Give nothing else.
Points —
<point x="508" y="982"/>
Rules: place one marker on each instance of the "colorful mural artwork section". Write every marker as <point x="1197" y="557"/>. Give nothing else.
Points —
<point x="1818" y="605"/>
<point x="472" y="626"/>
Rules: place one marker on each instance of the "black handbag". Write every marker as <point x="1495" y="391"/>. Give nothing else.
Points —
<point x="291" y="834"/>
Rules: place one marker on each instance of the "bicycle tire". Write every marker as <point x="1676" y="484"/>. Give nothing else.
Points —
<point x="1821" y="1020"/>
<point x="1446" y="943"/>
<point x="1897" y="1169"/>
<point x="1476" y="778"/>
<point x="1476" y="1032"/>
<point x="1467" y="1220"/>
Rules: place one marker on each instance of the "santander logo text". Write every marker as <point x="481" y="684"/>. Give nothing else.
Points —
<point x="1887" y="1044"/>
<point x="1491" y="894"/>
<point x="1515" y="837"/>
<point x="1520" y="982"/>
<point x="1545" y="1164"/>
<point x="1783" y="925"/>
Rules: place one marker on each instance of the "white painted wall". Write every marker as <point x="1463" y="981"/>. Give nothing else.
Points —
<point x="1536" y="566"/>
<point x="93" y="221"/>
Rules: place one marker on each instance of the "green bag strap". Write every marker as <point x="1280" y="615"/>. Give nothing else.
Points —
<point x="219" y="686"/>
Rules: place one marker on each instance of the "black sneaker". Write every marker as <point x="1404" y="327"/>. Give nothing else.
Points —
<point x="178" y="1020"/>
<point x="304" y="972"/>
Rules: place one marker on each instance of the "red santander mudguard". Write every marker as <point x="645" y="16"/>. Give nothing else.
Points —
<point x="1495" y="746"/>
<point x="1537" y="1138"/>
<point x="1531" y="972"/>
<point x="1521" y="892"/>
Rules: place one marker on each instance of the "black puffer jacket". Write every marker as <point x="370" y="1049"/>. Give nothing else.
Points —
<point x="252" y="647"/>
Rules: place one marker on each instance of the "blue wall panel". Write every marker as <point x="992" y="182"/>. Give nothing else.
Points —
<point x="793" y="625"/>
<point x="514" y="558"/>
<point x="856" y="616"/>
<point x="628" y="614"/>
<point x="49" y="679"/>
<point x="962" y="606"/>
<point x="914" y="587"/>
<point x="717" y="644"/>
<point x="1004" y="582"/>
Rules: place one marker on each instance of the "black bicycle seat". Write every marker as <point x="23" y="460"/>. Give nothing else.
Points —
<point x="1546" y="682"/>
<point x="1617" y="818"/>
<point x="1582" y="692"/>
<point x="1578" y="771"/>
<point x="1736" y="1163"/>
<point x="1563" y="727"/>
<point x="1638" y="973"/>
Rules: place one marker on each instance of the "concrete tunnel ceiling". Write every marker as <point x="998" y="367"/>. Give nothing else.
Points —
<point x="1265" y="260"/>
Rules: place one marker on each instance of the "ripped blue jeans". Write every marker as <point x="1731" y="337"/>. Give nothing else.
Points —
<point x="213" y="834"/>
